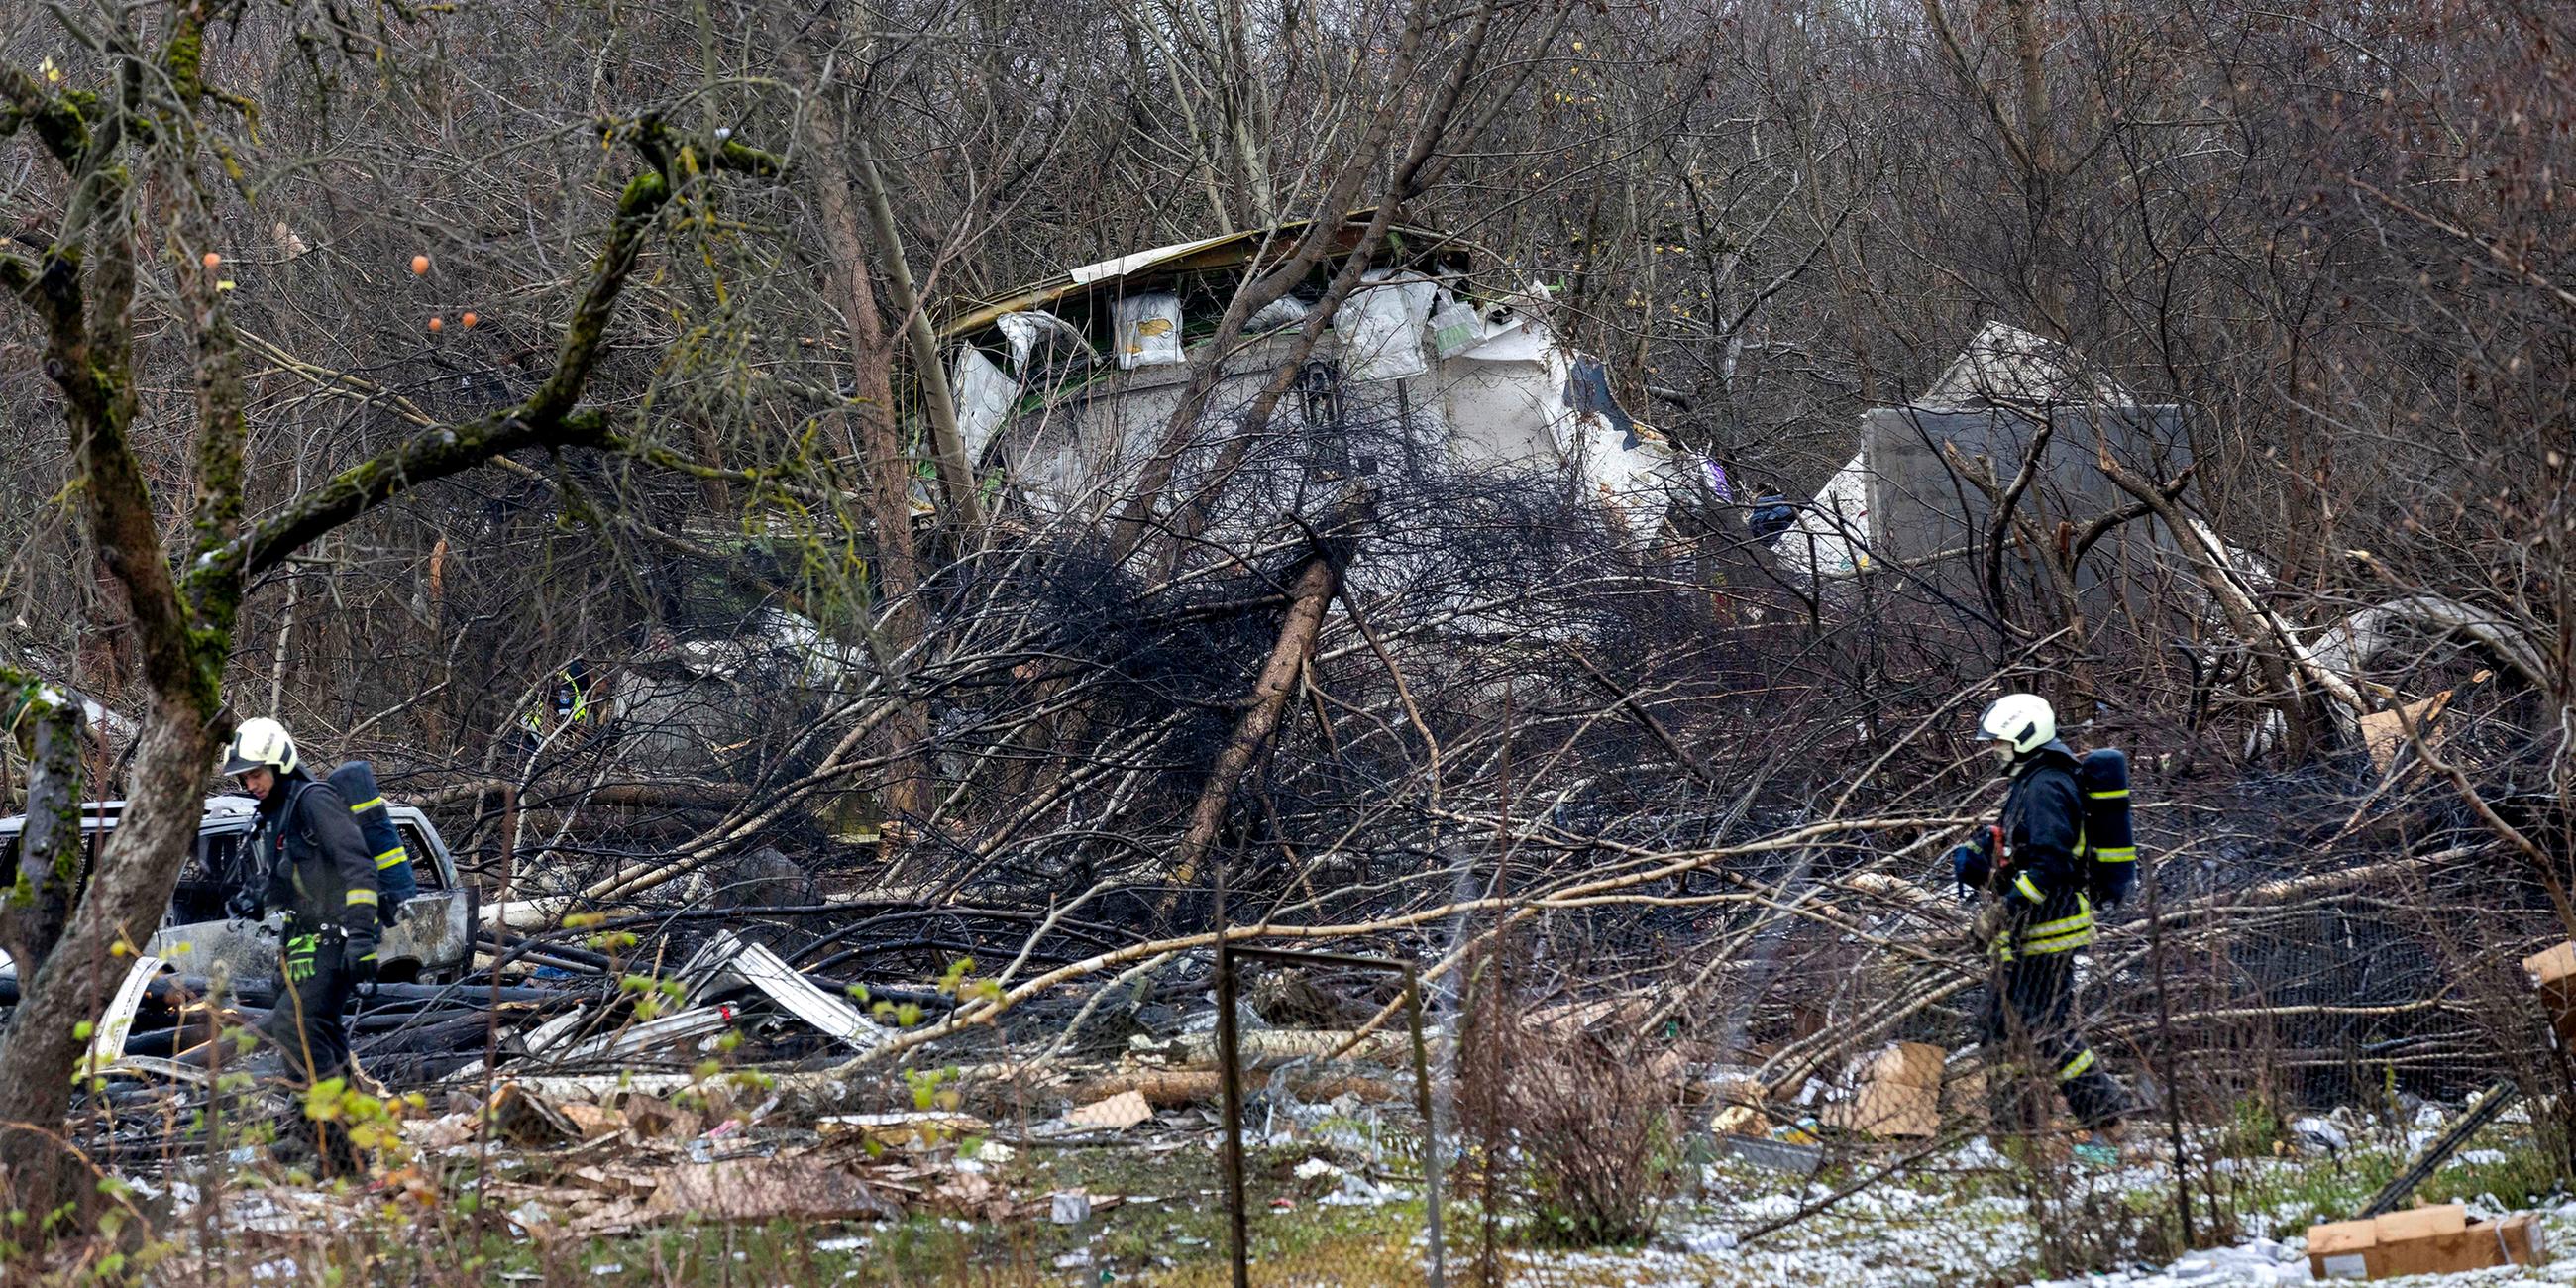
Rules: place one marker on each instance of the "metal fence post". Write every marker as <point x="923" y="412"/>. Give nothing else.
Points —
<point x="1229" y="1050"/>
<point x="1430" y="1132"/>
<point x="1229" y="1072"/>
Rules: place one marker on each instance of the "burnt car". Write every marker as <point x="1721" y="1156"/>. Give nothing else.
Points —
<point x="432" y="938"/>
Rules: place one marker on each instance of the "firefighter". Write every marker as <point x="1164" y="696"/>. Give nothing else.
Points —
<point x="561" y="710"/>
<point x="2032" y="871"/>
<point x="311" y="863"/>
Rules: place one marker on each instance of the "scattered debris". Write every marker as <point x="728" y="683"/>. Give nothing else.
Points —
<point x="107" y="1044"/>
<point x="2432" y="1155"/>
<point x="681" y="1029"/>
<point x="2553" y="974"/>
<point x="1117" y="1113"/>
<point x="1893" y="1092"/>
<point x="727" y="961"/>
<point x="1161" y="1087"/>
<point x="529" y="1120"/>
<point x="897" y="1130"/>
<point x="2383" y="733"/>
<point x="766" y="1189"/>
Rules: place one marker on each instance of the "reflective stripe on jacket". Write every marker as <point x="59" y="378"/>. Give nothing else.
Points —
<point x="2043" y="822"/>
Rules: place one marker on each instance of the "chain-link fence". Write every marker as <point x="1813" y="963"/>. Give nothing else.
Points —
<point x="1347" y="1139"/>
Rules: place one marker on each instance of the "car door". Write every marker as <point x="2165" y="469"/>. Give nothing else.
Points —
<point x="433" y="933"/>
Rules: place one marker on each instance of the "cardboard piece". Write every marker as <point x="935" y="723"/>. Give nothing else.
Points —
<point x="2553" y="973"/>
<point x="1895" y="1092"/>
<point x="2383" y="733"/>
<point x="1964" y="1097"/>
<point x="2423" y="1241"/>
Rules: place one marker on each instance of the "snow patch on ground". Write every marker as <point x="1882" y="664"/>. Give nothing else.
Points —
<point x="1922" y="1231"/>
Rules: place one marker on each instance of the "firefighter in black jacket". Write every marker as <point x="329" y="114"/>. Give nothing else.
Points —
<point x="2033" y="871"/>
<point x="317" y="872"/>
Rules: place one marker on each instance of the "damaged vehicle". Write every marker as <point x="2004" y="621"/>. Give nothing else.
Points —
<point x="431" y="939"/>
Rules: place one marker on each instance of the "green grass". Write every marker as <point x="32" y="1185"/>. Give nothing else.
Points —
<point x="2299" y="1191"/>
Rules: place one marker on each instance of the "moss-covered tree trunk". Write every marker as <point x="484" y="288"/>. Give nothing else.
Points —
<point x="118" y="910"/>
<point x="43" y="873"/>
<point x="81" y="289"/>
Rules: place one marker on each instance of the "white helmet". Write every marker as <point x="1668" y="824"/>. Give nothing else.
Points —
<point x="2021" y="722"/>
<point x="260" y="743"/>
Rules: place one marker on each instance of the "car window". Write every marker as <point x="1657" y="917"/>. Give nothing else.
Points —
<point x="89" y="852"/>
<point x="218" y="868"/>
<point x="424" y="862"/>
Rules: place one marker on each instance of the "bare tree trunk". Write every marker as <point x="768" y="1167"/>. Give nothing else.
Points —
<point x="889" y="473"/>
<point x="1310" y="595"/>
<point x="2039" y="178"/>
<point x="947" y="448"/>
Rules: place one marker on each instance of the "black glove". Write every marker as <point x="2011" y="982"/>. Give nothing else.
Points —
<point x="244" y="905"/>
<point x="1969" y="867"/>
<point x="359" y="957"/>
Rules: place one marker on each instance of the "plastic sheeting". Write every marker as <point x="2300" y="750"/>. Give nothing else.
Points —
<point x="984" y="394"/>
<point x="1831" y="537"/>
<point x="1039" y="336"/>
<point x="1287" y="310"/>
<point x="1456" y="327"/>
<point x="1381" y="326"/>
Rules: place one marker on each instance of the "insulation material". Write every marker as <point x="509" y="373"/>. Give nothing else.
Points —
<point x="1504" y="397"/>
<point x="984" y="394"/>
<point x="1831" y="537"/>
<point x="1621" y="465"/>
<point x="1895" y="1092"/>
<point x="1625" y="470"/>
<point x="1518" y="397"/>
<point x="1381" y="326"/>
<point x="1149" y="330"/>
<point x="1117" y="1113"/>
<point x="2383" y="733"/>
<point x="1499" y="412"/>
